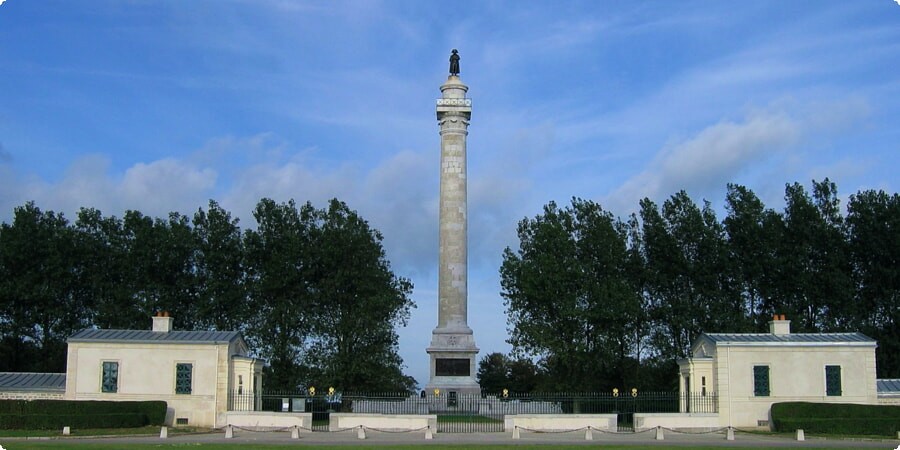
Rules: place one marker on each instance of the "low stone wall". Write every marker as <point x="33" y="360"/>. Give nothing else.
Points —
<point x="32" y="395"/>
<point x="265" y="420"/>
<point x="391" y="422"/>
<point x="678" y="421"/>
<point x="889" y="400"/>
<point x="560" y="422"/>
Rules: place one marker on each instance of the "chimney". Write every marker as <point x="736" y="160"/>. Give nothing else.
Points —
<point x="779" y="325"/>
<point x="162" y="322"/>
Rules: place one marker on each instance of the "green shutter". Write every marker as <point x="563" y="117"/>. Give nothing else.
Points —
<point x="761" y="381"/>
<point x="183" y="372"/>
<point x="833" y="380"/>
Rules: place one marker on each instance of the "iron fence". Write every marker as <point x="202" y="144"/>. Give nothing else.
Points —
<point x="468" y="413"/>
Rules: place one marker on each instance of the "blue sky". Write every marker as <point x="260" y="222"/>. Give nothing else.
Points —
<point x="161" y="105"/>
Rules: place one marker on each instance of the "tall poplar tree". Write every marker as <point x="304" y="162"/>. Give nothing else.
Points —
<point x="569" y="298"/>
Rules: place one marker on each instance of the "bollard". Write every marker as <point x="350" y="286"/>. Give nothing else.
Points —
<point x="729" y="435"/>
<point x="800" y="435"/>
<point x="361" y="432"/>
<point x="229" y="432"/>
<point x="516" y="432"/>
<point x="659" y="433"/>
<point x="588" y="435"/>
<point x="67" y="431"/>
<point x="163" y="432"/>
<point x="295" y="432"/>
<point x="428" y="434"/>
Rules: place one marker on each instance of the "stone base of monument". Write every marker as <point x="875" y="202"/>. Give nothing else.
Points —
<point x="453" y="365"/>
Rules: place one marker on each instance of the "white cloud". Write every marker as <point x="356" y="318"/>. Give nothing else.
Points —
<point x="711" y="158"/>
<point x="779" y="143"/>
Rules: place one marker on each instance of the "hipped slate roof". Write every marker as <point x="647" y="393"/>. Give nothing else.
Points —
<point x="32" y="382"/>
<point x="155" y="337"/>
<point x="889" y="386"/>
<point x="853" y="339"/>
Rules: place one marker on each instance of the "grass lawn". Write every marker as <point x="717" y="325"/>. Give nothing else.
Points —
<point x="23" y="445"/>
<point x="148" y="430"/>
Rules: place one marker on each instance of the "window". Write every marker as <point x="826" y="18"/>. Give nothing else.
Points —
<point x="109" y="381"/>
<point x="833" y="380"/>
<point x="761" y="381"/>
<point x="183" y="373"/>
<point x="703" y="386"/>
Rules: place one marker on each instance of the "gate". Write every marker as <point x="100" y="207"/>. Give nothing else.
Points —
<point x="458" y="413"/>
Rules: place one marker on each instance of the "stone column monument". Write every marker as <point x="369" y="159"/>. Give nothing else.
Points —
<point x="452" y="350"/>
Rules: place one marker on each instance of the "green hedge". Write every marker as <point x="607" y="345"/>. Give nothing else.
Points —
<point x="836" y="418"/>
<point x="57" y="421"/>
<point x="152" y="412"/>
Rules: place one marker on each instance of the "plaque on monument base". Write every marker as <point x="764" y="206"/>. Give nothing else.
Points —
<point x="453" y="365"/>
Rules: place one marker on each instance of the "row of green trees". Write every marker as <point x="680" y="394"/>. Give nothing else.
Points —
<point x="310" y="288"/>
<point x="599" y="302"/>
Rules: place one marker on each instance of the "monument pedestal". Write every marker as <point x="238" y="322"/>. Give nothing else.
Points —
<point x="454" y="362"/>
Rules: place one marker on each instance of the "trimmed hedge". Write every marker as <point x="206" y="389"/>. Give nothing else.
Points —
<point x="95" y="414"/>
<point x="836" y="418"/>
<point x="57" y="421"/>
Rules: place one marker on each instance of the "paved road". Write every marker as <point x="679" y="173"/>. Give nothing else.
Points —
<point x="527" y="438"/>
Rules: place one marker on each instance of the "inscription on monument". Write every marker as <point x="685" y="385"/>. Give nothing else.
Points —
<point x="451" y="367"/>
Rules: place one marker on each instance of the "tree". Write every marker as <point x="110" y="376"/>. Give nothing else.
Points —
<point x="569" y="299"/>
<point x="326" y="298"/>
<point x="360" y="302"/>
<point x="752" y="242"/>
<point x="813" y="262"/>
<point x="42" y="299"/>
<point x="222" y="302"/>
<point x="279" y="276"/>
<point x="690" y="278"/>
<point x="105" y="269"/>
<point x="873" y="235"/>
<point x="160" y="262"/>
<point x="493" y="373"/>
<point x="497" y="372"/>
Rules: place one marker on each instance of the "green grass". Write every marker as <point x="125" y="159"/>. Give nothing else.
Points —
<point x="245" y="446"/>
<point x="148" y="430"/>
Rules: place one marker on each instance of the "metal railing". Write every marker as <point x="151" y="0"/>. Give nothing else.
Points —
<point x="491" y="404"/>
<point x="473" y="413"/>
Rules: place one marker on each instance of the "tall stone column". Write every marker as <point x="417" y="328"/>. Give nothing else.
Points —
<point x="452" y="350"/>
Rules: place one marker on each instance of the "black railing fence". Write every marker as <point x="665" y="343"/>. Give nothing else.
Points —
<point x="485" y="404"/>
